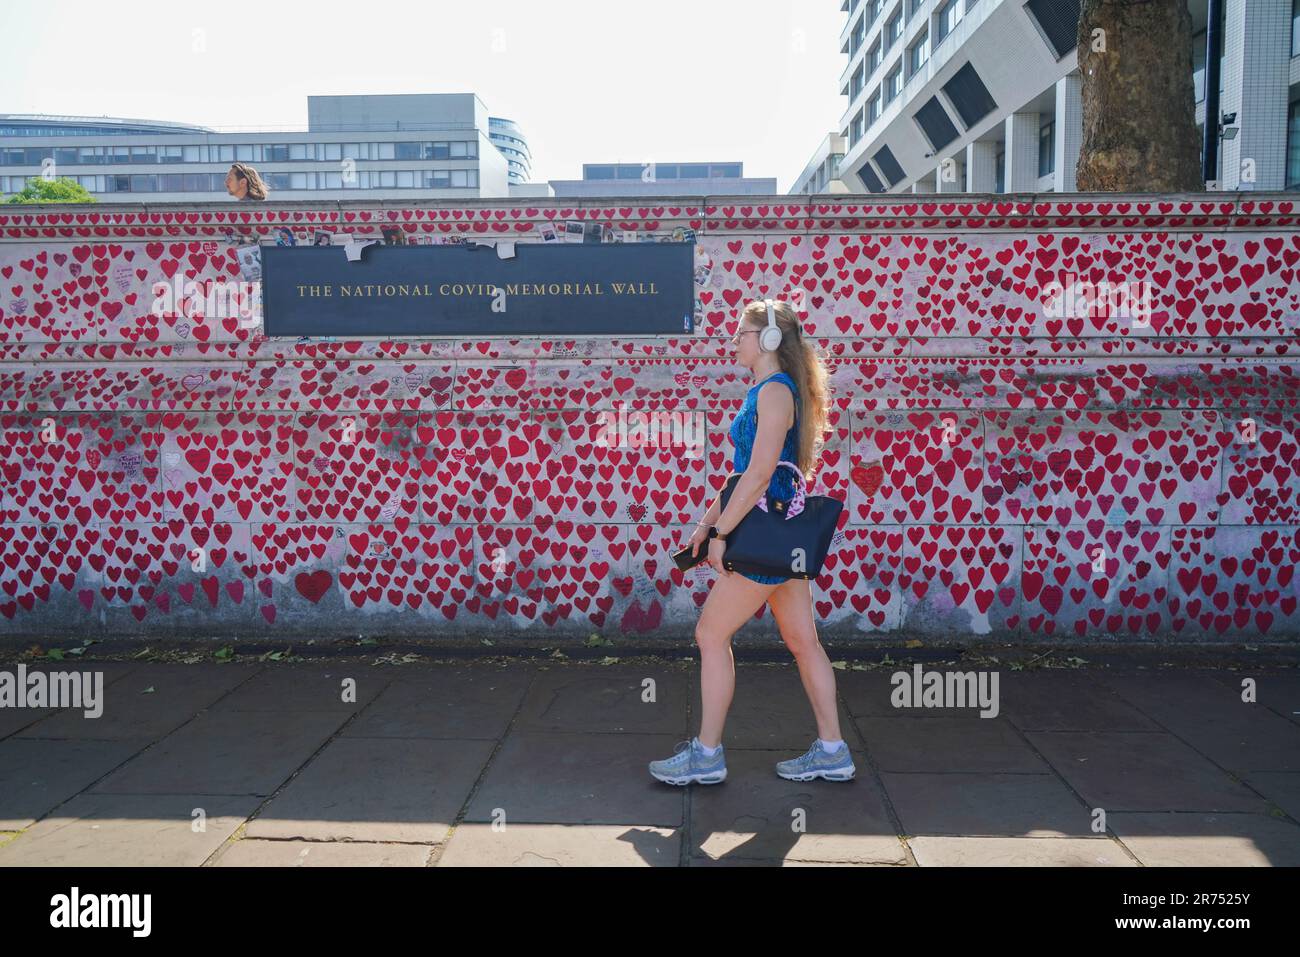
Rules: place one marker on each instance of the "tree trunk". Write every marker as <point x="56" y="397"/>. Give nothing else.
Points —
<point x="1139" y="115"/>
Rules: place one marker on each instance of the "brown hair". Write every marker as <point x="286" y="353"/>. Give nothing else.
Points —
<point x="257" y="188"/>
<point x="800" y="359"/>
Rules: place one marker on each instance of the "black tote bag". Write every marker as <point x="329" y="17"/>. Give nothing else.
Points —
<point x="776" y="542"/>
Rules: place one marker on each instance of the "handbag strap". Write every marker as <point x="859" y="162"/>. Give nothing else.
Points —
<point x="796" y="503"/>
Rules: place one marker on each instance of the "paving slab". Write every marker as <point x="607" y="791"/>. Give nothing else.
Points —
<point x="343" y="688"/>
<point x="254" y="853"/>
<point x="376" y="789"/>
<point x="608" y="699"/>
<point x="14" y="720"/>
<point x="451" y="701"/>
<point x="555" y="845"/>
<point x="564" y="778"/>
<point x="757" y="815"/>
<point x="1282" y="788"/>
<point x="1167" y="839"/>
<point x="1097" y="851"/>
<point x="1279" y="692"/>
<point x="1141" y="771"/>
<point x="148" y="702"/>
<point x="226" y="752"/>
<point x="1066" y="701"/>
<point x="747" y="862"/>
<point x="980" y="805"/>
<point x="121" y="830"/>
<point x="1237" y="735"/>
<point x="948" y="744"/>
<point x="37" y="776"/>
<point x="871" y="694"/>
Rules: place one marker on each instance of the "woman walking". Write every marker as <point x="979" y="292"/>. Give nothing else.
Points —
<point x="783" y="419"/>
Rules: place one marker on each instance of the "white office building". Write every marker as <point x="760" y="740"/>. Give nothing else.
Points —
<point x="822" y="174"/>
<point x="664" y="179"/>
<point x="401" y="146"/>
<point x="983" y="96"/>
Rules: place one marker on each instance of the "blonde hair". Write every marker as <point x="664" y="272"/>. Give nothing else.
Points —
<point x="802" y="362"/>
<point x="257" y="188"/>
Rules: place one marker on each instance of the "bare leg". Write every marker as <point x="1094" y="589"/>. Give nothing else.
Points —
<point x="791" y="605"/>
<point x="732" y="600"/>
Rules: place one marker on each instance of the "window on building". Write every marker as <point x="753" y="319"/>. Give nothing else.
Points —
<point x="893" y="30"/>
<point x="946" y="19"/>
<point x="1000" y="171"/>
<point x="1293" y="146"/>
<point x="1198" y="64"/>
<point x="1047" y="148"/>
<point x="918" y="53"/>
<point x="855" y="129"/>
<point x="914" y="7"/>
<point x="873" y="57"/>
<point x="872" y="14"/>
<point x="893" y="84"/>
<point x="859" y="34"/>
<point x="859" y="81"/>
<point x="873" y="108"/>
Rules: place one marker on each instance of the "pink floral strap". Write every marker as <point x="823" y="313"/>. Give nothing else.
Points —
<point x="796" y="503"/>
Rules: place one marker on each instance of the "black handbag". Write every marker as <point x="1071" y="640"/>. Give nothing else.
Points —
<point x="790" y="539"/>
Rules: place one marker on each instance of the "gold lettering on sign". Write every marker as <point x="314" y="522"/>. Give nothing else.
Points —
<point x="412" y="290"/>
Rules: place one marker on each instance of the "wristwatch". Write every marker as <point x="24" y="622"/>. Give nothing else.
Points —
<point x="717" y="534"/>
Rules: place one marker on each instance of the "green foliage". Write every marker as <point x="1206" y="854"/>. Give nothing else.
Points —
<point x="60" y="190"/>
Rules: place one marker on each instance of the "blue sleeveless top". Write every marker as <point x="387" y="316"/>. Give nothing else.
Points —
<point x="745" y="427"/>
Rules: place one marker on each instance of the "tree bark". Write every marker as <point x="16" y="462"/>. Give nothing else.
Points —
<point x="1139" y="113"/>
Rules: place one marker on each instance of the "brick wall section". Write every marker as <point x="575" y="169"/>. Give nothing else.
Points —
<point x="1008" y="474"/>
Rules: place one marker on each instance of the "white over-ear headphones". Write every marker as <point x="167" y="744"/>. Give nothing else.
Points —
<point x="769" y="340"/>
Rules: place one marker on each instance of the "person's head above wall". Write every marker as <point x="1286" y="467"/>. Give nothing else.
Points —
<point x="243" y="182"/>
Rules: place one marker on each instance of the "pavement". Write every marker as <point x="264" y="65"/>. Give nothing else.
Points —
<point x="543" y="762"/>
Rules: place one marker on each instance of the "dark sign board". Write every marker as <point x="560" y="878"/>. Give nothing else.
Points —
<point x="610" y="289"/>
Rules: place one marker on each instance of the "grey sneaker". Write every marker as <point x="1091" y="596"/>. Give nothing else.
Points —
<point x="817" y="762"/>
<point x="690" y="763"/>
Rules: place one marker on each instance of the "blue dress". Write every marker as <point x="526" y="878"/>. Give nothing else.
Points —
<point x="743" y="430"/>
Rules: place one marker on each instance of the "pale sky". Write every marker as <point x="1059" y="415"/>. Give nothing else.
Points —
<point x="661" y="81"/>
